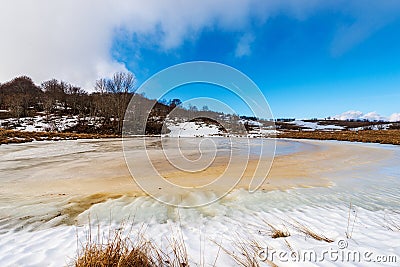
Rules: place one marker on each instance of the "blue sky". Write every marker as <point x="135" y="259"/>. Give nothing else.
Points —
<point x="294" y="62"/>
<point x="310" y="58"/>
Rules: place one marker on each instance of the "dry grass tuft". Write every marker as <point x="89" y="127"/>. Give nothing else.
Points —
<point x="271" y="230"/>
<point x="177" y="254"/>
<point x="289" y="246"/>
<point x="309" y="232"/>
<point x="116" y="253"/>
<point x="245" y="252"/>
<point x="119" y="250"/>
<point x="276" y="232"/>
<point x="392" y="224"/>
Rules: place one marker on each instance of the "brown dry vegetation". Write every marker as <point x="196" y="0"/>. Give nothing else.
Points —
<point x="275" y="232"/>
<point x="307" y="231"/>
<point x="365" y="136"/>
<point x="392" y="223"/>
<point x="266" y="228"/>
<point x="12" y="136"/>
<point x="289" y="126"/>
<point x="245" y="251"/>
<point x="133" y="250"/>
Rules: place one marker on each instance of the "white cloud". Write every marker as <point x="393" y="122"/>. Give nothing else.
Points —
<point x="349" y="115"/>
<point x="372" y="116"/>
<point x="71" y="39"/>
<point x="394" y="117"/>
<point x="243" y="47"/>
<point x="67" y="40"/>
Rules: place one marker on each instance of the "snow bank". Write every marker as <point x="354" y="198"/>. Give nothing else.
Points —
<point x="193" y="129"/>
<point x="40" y="123"/>
<point x="315" y="126"/>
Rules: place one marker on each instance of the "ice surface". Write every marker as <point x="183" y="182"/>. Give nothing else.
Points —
<point x="35" y="240"/>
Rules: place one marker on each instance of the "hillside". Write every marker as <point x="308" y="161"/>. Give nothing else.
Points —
<point x="64" y="111"/>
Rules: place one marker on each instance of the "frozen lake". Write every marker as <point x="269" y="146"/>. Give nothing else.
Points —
<point x="50" y="189"/>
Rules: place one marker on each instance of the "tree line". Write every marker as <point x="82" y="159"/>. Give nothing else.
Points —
<point x="21" y="97"/>
<point x="107" y="105"/>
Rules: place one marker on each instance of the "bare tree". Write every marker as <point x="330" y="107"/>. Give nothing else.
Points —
<point x="101" y="86"/>
<point x="15" y="105"/>
<point x="115" y="94"/>
<point x="205" y="108"/>
<point x="48" y="105"/>
<point x="23" y="92"/>
<point x="74" y="97"/>
<point x="56" y="90"/>
<point x="121" y="82"/>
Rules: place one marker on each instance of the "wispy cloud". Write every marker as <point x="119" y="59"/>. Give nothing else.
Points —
<point x="366" y="19"/>
<point x="243" y="47"/>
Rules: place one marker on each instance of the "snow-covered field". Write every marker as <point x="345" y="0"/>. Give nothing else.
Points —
<point x="40" y="123"/>
<point x="365" y="234"/>
<point x="177" y="127"/>
<point x="43" y="123"/>
<point x="193" y="129"/>
<point x="312" y="126"/>
<point x="197" y="129"/>
<point x="239" y="218"/>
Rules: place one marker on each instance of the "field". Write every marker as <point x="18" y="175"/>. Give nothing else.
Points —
<point x="365" y="136"/>
<point x="12" y="136"/>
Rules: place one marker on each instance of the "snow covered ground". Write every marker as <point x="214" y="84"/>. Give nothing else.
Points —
<point x="177" y="127"/>
<point x="40" y="123"/>
<point x="373" y="127"/>
<point x="312" y="126"/>
<point x="201" y="129"/>
<point x="193" y="129"/>
<point x="240" y="219"/>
